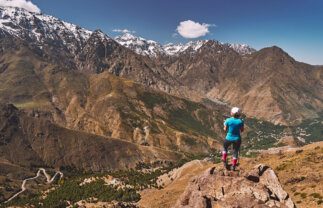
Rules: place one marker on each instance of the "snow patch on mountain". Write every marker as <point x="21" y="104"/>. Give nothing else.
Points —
<point x="140" y="45"/>
<point x="172" y="49"/>
<point x="242" y="49"/>
<point x="41" y="29"/>
<point x="38" y="28"/>
<point x="152" y="49"/>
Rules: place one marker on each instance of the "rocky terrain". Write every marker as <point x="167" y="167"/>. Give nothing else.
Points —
<point x="283" y="179"/>
<point x="299" y="172"/>
<point x="258" y="188"/>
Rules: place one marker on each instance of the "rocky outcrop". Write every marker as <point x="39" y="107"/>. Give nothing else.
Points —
<point x="215" y="188"/>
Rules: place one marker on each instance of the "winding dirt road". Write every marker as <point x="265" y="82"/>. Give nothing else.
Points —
<point x="49" y="180"/>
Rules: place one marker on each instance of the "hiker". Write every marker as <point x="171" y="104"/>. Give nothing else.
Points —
<point x="232" y="126"/>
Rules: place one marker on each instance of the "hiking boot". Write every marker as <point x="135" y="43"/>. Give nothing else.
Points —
<point x="233" y="168"/>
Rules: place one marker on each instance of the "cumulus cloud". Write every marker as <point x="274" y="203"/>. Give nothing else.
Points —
<point x="191" y="29"/>
<point x="28" y="5"/>
<point x="123" y="31"/>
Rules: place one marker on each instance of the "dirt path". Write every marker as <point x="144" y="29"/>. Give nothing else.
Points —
<point x="49" y="180"/>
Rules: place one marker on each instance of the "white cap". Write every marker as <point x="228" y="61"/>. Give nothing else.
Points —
<point x="235" y="110"/>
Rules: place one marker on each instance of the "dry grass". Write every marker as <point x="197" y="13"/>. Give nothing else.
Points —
<point x="168" y="196"/>
<point x="300" y="173"/>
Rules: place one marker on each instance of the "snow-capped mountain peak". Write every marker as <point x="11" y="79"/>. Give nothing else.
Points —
<point x="40" y="28"/>
<point x="140" y="45"/>
<point x="242" y="49"/>
<point x="152" y="49"/>
<point x="172" y="49"/>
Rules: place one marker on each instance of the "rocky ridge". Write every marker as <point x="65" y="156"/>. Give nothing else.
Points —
<point x="152" y="49"/>
<point x="257" y="188"/>
<point x="42" y="29"/>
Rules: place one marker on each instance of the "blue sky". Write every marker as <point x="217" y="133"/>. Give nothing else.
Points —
<point x="294" y="25"/>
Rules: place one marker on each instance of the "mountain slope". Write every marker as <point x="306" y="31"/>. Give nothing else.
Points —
<point x="274" y="86"/>
<point x="104" y="104"/>
<point x="27" y="140"/>
<point x="42" y="29"/>
<point x="266" y="84"/>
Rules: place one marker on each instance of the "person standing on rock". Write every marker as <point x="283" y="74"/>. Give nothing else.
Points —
<point x="232" y="126"/>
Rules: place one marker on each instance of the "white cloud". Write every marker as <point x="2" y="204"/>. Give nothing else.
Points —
<point x="28" y="5"/>
<point x="191" y="29"/>
<point x="123" y="31"/>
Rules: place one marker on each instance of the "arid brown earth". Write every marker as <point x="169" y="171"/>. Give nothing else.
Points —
<point x="299" y="174"/>
<point x="26" y="141"/>
<point x="265" y="84"/>
<point x="104" y="104"/>
<point x="299" y="171"/>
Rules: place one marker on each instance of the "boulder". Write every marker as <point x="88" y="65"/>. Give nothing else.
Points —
<point x="257" y="188"/>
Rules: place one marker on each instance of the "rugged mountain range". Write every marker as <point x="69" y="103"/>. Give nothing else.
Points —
<point x="105" y="104"/>
<point x="83" y="99"/>
<point x="42" y="29"/>
<point x="266" y="84"/>
<point x="152" y="49"/>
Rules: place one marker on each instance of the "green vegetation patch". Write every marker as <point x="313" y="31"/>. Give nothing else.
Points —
<point x="316" y="195"/>
<point x="281" y="167"/>
<point x="185" y="120"/>
<point x="71" y="191"/>
<point x="151" y="99"/>
<point x="68" y="189"/>
<point x="303" y="195"/>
